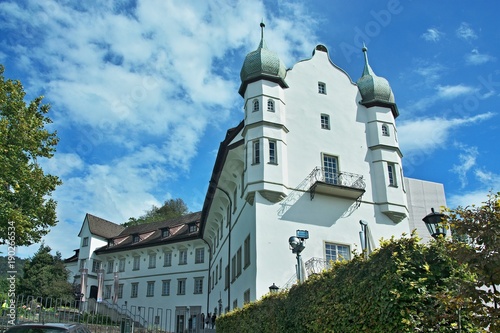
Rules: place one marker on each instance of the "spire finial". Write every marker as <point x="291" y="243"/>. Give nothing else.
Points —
<point x="367" y="70"/>
<point x="262" y="26"/>
<point x="364" y="49"/>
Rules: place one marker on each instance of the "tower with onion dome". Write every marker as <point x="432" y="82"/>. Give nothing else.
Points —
<point x="378" y="98"/>
<point x="262" y="88"/>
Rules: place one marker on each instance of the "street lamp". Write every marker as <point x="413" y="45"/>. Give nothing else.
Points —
<point x="273" y="289"/>
<point x="297" y="246"/>
<point x="435" y="224"/>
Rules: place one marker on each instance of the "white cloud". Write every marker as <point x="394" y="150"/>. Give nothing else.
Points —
<point x="453" y="91"/>
<point x="467" y="159"/>
<point x="464" y="31"/>
<point x="446" y="92"/>
<point x="476" y="58"/>
<point x="430" y="72"/>
<point x="424" y="135"/>
<point x="432" y="35"/>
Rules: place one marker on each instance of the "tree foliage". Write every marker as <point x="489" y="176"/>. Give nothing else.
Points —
<point x="476" y="233"/>
<point x="24" y="187"/>
<point x="45" y="275"/>
<point x="171" y="208"/>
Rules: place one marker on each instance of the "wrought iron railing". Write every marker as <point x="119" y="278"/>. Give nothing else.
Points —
<point x="345" y="179"/>
<point x="313" y="266"/>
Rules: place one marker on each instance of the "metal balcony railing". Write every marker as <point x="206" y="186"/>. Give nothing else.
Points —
<point x="345" y="184"/>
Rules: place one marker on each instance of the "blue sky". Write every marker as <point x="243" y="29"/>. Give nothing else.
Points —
<point x="142" y="92"/>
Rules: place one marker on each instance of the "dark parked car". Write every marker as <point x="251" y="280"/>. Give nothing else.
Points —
<point x="48" y="328"/>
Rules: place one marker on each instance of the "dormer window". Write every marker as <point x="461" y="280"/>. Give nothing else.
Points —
<point x="85" y="241"/>
<point x="136" y="238"/>
<point x="270" y="105"/>
<point x="192" y="227"/>
<point x="321" y="88"/>
<point x="111" y="242"/>
<point x="256" y="106"/>
<point x="165" y="232"/>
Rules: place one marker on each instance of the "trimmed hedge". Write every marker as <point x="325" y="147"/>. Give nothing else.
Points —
<point x="405" y="286"/>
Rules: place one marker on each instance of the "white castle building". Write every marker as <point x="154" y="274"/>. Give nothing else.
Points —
<point x="315" y="151"/>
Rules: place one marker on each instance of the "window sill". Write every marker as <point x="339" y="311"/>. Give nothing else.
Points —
<point x="272" y="163"/>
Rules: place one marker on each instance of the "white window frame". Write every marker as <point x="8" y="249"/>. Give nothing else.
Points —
<point x="96" y="265"/>
<point x="198" y="285"/>
<point x="273" y="152"/>
<point x="150" y="289"/>
<point x="134" y="291"/>
<point x="255" y="105"/>
<point x="385" y="130"/>
<point x="391" y="174"/>
<point x="270" y="105"/>
<point x="256" y="152"/>
<point x="343" y="254"/>
<point x="199" y="255"/>
<point x="152" y="260"/>
<point x="322" y="88"/>
<point x="136" y="263"/>
<point x="121" y="265"/>
<point x="165" y="287"/>
<point x="330" y="169"/>
<point x="325" y="121"/>
<point x="167" y="260"/>
<point x="183" y="257"/>
<point x="111" y="264"/>
<point x="181" y="286"/>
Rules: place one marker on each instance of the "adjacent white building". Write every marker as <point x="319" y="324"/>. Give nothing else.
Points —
<point x="315" y="151"/>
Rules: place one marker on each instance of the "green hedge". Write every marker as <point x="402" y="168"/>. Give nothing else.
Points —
<point x="405" y="286"/>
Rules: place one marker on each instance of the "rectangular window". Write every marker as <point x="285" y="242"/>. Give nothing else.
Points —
<point x="273" y="159"/>
<point x="183" y="257"/>
<point x="120" y="290"/>
<point x="325" y="121"/>
<point x="135" y="289"/>
<point x="152" y="260"/>
<point x="246" y="248"/>
<point x="198" y="285"/>
<point x="82" y="263"/>
<point x="330" y="169"/>
<point x="167" y="260"/>
<point x="121" y="265"/>
<point x="256" y="152"/>
<point x="181" y="286"/>
<point x="107" y="291"/>
<point x="220" y="269"/>
<point x="216" y="273"/>
<point x="111" y="265"/>
<point x="136" y="238"/>
<point x="235" y="304"/>
<point x="165" y="232"/>
<point x="165" y="288"/>
<point x="137" y="263"/>
<point x="321" y="88"/>
<point x="226" y="277"/>
<point x="199" y="256"/>
<point x="391" y="169"/>
<point x="193" y="227"/>
<point x="96" y="265"/>
<point x="335" y="252"/>
<point x="238" y="262"/>
<point x="85" y="242"/>
<point x="233" y="268"/>
<point x="246" y="296"/>
<point x="150" y="292"/>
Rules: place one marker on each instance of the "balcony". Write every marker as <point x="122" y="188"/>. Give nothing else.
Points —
<point x="342" y="184"/>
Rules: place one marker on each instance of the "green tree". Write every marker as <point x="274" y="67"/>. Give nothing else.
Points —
<point x="26" y="212"/>
<point x="171" y="208"/>
<point x="476" y="234"/>
<point x="45" y="275"/>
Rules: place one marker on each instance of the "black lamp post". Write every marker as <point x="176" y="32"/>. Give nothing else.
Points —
<point x="273" y="289"/>
<point x="434" y="223"/>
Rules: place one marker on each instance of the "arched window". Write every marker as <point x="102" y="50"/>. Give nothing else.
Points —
<point x="385" y="130"/>
<point x="256" y="106"/>
<point x="270" y="105"/>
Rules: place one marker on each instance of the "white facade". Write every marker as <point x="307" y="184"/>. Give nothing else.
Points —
<point x="314" y="152"/>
